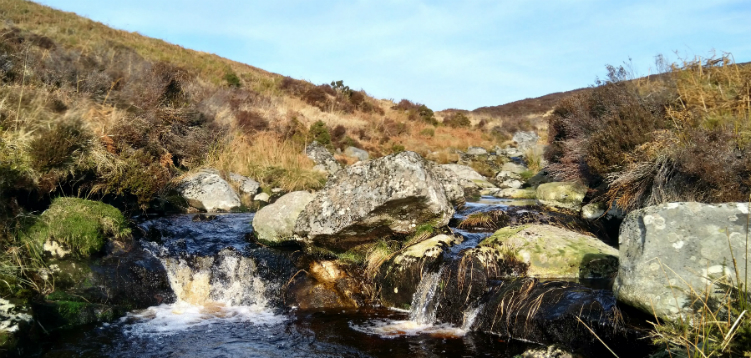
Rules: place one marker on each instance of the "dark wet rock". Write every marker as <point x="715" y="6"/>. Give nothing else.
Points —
<point x="398" y="277"/>
<point x="369" y="200"/>
<point x="15" y="323"/>
<point x="325" y="285"/>
<point x="672" y="252"/>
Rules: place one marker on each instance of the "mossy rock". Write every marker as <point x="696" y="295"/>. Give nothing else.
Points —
<point x="552" y="252"/>
<point x="80" y="225"/>
<point x="562" y="195"/>
<point x="66" y="314"/>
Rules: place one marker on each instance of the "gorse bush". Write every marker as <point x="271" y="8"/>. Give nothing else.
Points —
<point x="680" y="137"/>
<point x="457" y="120"/>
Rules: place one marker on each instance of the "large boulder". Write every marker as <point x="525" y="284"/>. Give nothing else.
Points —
<point x="464" y="172"/>
<point x="364" y="202"/>
<point x="552" y="252"/>
<point x="322" y="157"/>
<point x="526" y="140"/>
<point x="274" y="224"/>
<point x="453" y="185"/>
<point x="358" y="153"/>
<point x="671" y="253"/>
<point x="206" y="190"/>
<point x="564" y="195"/>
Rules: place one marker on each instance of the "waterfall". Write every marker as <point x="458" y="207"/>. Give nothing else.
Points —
<point x="423" y="308"/>
<point x="227" y="278"/>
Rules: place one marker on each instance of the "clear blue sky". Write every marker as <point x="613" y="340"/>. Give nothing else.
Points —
<point x="446" y="54"/>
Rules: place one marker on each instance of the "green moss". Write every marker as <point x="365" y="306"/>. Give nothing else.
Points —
<point x="81" y="225"/>
<point x="352" y="257"/>
<point x="502" y="235"/>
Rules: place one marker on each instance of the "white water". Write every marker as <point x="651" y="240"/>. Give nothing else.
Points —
<point x="223" y="288"/>
<point x="422" y="315"/>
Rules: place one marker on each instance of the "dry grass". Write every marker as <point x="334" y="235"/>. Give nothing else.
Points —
<point x="484" y="220"/>
<point x="272" y="160"/>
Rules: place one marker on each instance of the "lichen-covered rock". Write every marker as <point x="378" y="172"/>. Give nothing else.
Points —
<point x="206" y="190"/>
<point x="669" y="251"/>
<point x="321" y="156"/>
<point x="514" y="168"/>
<point x="525" y="140"/>
<point x="246" y="187"/>
<point x="358" y="153"/>
<point x="517" y="193"/>
<point x="476" y="151"/>
<point x="464" y="172"/>
<point x="365" y="201"/>
<point x="399" y="277"/>
<point x="262" y="197"/>
<point x="274" y="224"/>
<point x="453" y="185"/>
<point x="552" y="252"/>
<point x="565" y="195"/>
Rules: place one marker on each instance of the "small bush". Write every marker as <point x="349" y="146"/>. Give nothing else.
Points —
<point x="81" y="225"/>
<point x="250" y="122"/>
<point x="428" y="132"/>
<point x="232" y="79"/>
<point x="457" y="120"/>
<point x="319" y="132"/>
<point x="60" y="146"/>
<point x="397" y="148"/>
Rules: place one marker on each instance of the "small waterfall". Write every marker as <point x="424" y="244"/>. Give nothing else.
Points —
<point x="227" y="278"/>
<point x="423" y="308"/>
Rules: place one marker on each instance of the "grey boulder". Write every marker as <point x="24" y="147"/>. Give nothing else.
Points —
<point x="206" y="190"/>
<point x="358" y="153"/>
<point x="369" y="200"/>
<point x="673" y="253"/>
<point x="322" y="157"/>
<point x="564" y="195"/>
<point x="274" y="224"/>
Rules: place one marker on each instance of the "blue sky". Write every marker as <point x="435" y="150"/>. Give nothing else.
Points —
<point x="446" y="54"/>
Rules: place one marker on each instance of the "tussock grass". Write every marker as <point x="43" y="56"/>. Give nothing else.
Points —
<point x="273" y="161"/>
<point x="485" y="220"/>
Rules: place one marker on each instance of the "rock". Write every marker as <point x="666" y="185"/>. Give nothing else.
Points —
<point x="274" y="224"/>
<point x="399" y="277"/>
<point x="321" y="156"/>
<point x="510" y="152"/>
<point x="246" y="187"/>
<point x="325" y="285"/>
<point x="320" y="168"/>
<point x="277" y="190"/>
<point x="513" y="168"/>
<point x="476" y="151"/>
<point x="565" y="195"/>
<point x="358" y="153"/>
<point x="464" y="172"/>
<point x="517" y="193"/>
<point x="453" y="186"/>
<point x="506" y="179"/>
<point x="368" y="200"/>
<point x="593" y="211"/>
<point x="671" y="250"/>
<point x="542" y="177"/>
<point x="15" y="319"/>
<point x="264" y="197"/>
<point x="552" y="252"/>
<point x="526" y="140"/>
<point x="206" y="190"/>
<point x="549" y="352"/>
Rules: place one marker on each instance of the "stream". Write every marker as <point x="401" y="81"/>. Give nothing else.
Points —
<point x="229" y="304"/>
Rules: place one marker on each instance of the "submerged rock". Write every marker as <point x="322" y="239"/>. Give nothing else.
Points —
<point x="552" y="252"/>
<point x="274" y="224"/>
<point x="671" y="253"/>
<point x="562" y="195"/>
<point x="368" y="200"/>
<point x="325" y="285"/>
<point x="400" y="276"/>
<point x="206" y="190"/>
<point x="321" y="156"/>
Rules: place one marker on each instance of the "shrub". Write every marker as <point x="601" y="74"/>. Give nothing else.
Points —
<point x="60" y="146"/>
<point x="428" y="132"/>
<point x="320" y="133"/>
<point x="81" y="225"/>
<point x="457" y="120"/>
<point x="251" y="121"/>
<point x="426" y="115"/>
<point x="232" y="79"/>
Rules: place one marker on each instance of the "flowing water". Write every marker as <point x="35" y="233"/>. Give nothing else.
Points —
<point x="228" y="304"/>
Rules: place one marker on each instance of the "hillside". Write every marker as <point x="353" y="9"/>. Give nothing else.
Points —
<point x="90" y="110"/>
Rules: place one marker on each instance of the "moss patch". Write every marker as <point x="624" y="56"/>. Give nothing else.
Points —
<point x="81" y="225"/>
